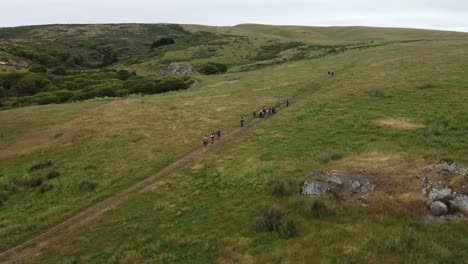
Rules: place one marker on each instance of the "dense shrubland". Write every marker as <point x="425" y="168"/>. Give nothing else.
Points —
<point x="60" y="86"/>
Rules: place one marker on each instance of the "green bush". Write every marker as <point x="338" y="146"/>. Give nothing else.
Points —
<point x="59" y="71"/>
<point x="268" y="220"/>
<point x="122" y="93"/>
<point x="52" y="174"/>
<point x="37" y="68"/>
<point x="3" y="92"/>
<point x="41" y="165"/>
<point x="32" y="84"/>
<point x="104" y="91"/>
<point x="212" y="68"/>
<point x="87" y="186"/>
<point x="170" y="84"/>
<point x="46" y="98"/>
<point x="162" y="42"/>
<point x="30" y="183"/>
<point x="24" y="101"/>
<point x="81" y="96"/>
<point x="124" y="75"/>
<point x="45" y="188"/>
<point x="63" y="95"/>
<point x="290" y="229"/>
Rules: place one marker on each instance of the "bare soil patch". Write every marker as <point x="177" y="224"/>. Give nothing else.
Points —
<point x="399" y="123"/>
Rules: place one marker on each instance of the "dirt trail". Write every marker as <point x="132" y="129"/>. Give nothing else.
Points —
<point x="35" y="245"/>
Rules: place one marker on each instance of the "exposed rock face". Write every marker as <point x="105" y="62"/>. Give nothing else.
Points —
<point x="438" y="208"/>
<point x="446" y="182"/>
<point x="178" y="69"/>
<point x="460" y="202"/>
<point x="438" y="193"/>
<point x="348" y="186"/>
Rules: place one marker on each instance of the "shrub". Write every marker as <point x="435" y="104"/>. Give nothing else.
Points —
<point x="31" y="183"/>
<point x="87" y="186"/>
<point x="212" y="68"/>
<point x="3" y="92"/>
<point x="123" y="75"/>
<point x="290" y="229"/>
<point x="38" y="68"/>
<point x="83" y="96"/>
<point x="25" y="100"/>
<point x="41" y="165"/>
<point x="45" y="188"/>
<point x="63" y="95"/>
<point x="32" y="84"/>
<point x="278" y="189"/>
<point x="268" y="220"/>
<point x="318" y="209"/>
<point x="52" y="174"/>
<point x="122" y="93"/>
<point x="46" y="98"/>
<point x="104" y="91"/>
<point x="170" y="84"/>
<point x="59" y="71"/>
<point x="162" y="42"/>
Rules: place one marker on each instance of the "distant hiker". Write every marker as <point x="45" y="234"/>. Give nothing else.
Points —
<point x="287" y="102"/>
<point x="332" y="73"/>
<point x="242" y="122"/>
<point x="279" y="103"/>
<point x="261" y="114"/>
<point x="218" y="132"/>
<point x="254" y="113"/>
<point x="205" y="141"/>
<point x="270" y="110"/>
<point x="212" y="137"/>
<point x="273" y="111"/>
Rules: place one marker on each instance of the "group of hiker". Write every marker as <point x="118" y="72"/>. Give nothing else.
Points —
<point x="331" y="73"/>
<point x="212" y="137"/>
<point x="264" y="112"/>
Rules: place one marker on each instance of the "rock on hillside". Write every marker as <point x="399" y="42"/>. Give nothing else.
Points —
<point x="342" y="185"/>
<point x="178" y="69"/>
<point x="445" y="184"/>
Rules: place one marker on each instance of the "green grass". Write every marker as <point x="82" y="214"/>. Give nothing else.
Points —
<point x="207" y="212"/>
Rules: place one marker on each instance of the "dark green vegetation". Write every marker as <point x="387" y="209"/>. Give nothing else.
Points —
<point x="241" y="203"/>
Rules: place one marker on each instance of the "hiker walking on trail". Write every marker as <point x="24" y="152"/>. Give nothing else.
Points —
<point x="212" y="137"/>
<point x="287" y="102"/>
<point x="273" y="111"/>
<point x="218" y="132"/>
<point x="279" y="102"/>
<point x="205" y="141"/>
<point x="261" y="114"/>
<point x="242" y="121"/>
<point x="254" y="113"/>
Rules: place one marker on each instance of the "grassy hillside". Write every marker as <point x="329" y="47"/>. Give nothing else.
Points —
<point x="207" y="210"/>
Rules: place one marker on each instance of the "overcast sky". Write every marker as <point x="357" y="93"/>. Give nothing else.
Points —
<point x="432" y="14"/>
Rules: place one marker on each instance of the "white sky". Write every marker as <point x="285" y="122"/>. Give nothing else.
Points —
<point x="433" y="14"/>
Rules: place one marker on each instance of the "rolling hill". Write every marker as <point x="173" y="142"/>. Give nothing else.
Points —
<point x="130" y="174"/>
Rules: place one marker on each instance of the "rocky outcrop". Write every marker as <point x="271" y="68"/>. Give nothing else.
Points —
<point x="341" y="185"/>
<point x="178" y="69"/>
<point x="445" y="185"/>
<point x="438" y="208"/>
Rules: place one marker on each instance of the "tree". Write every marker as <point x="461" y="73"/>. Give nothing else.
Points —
<point x="32" y="84"/>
